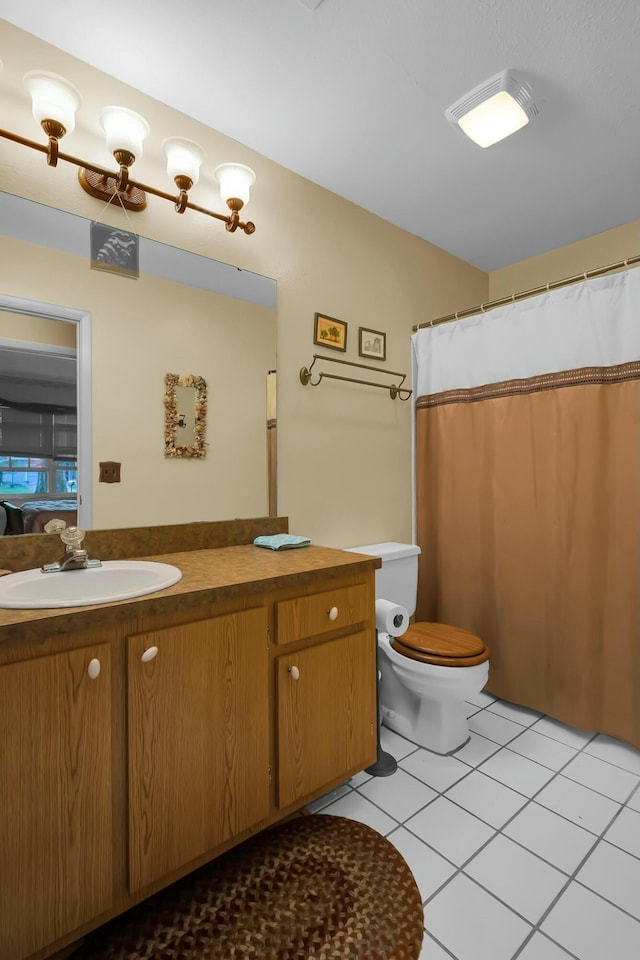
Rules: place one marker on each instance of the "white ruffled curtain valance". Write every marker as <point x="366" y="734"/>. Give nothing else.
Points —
<point x="591" y="324"/>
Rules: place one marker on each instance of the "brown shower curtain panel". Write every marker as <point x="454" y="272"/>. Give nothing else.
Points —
<point x="528" y="514"/>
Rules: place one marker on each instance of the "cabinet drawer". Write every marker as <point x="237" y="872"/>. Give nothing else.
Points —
<point x="320" y="613"/>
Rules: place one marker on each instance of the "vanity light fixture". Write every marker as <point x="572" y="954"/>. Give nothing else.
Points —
<point x="55" y="102"/>
<point x="493" y="110"/>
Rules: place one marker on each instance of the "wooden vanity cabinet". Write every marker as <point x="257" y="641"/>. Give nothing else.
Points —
<point x="326" y="696"/>
<point x="198" y="739"/>
<point x="186" y="727"/>
<point x="55" y="797"/>
<point x="326" y="713"/>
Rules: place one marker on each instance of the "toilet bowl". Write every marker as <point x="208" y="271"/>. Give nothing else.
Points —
<point x="428" y="673"/>
<point x="425" y="702"/>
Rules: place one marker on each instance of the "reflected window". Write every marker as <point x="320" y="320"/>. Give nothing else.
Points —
<point x="24" y="477"/>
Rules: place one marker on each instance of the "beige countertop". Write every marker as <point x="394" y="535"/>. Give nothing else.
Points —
<point x="206" y="575"/>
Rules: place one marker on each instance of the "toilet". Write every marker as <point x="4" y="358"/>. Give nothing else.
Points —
<point x="428" y="673"/>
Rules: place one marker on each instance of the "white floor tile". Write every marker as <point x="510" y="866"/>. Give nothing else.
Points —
<point x="540" y="948"/>
<point x="560" y="811"/>
<point x="438" y="772"/>
<point x="470" y="709"/>
<point x="578" y="804"/>
<point x="487" y="799"/>
<point x="560" y="731"/>
<point x="615" y="751"/>
<point x="625" y="831"/>
<point x="432" y="951"/>
<point x="535" y="746"/>
<point x="615" y="875"/>
<point x="316" y="805"/>
<point x="512" y="711"/>
<point x="391" y="742"/>
<point x="476" y="750"/>
<point x="552" y="837"/>
<point x="517" y="772"/>
<point x="472" y="924"/>
<point x="481" y="699"/>
<point x="400" y="794"/>
<point x="453" y="832"/>
<point x="517" y="877"/>
<point x="601" y="776"/>
<point x="591" y="928"/>
<point x="428" y="867"/>
<point x="495" y="728"/>
<point x="355" y="807"/>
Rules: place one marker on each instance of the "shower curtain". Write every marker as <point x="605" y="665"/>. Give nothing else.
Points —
<point x="528" y="496"/>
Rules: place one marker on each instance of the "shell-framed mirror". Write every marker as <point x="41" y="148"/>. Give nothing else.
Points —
<point x="185" y="418"/>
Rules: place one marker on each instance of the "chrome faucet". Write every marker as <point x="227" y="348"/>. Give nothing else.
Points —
<point x="75" y="556"/>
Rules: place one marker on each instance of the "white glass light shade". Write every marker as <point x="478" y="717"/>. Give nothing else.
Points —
<point x="491" y="121"/>
<point x="52" y="98"/>
<point x="184" y="158"/>
<point x="124" y="129"/>
<point x="235" y="181"/>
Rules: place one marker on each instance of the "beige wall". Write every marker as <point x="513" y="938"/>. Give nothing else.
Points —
<point x="344" y="450"/>
<point x="140" y="331"/>
<point x="15" y="326"/>
<point x="597" y="251"/>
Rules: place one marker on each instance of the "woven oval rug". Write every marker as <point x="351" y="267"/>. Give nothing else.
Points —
<point x="315" y="887"/>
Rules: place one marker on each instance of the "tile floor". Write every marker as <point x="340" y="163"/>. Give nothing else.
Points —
<point x="525" y="844"/>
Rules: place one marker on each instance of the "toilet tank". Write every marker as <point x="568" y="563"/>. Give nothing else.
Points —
<point x="397" y="579"/>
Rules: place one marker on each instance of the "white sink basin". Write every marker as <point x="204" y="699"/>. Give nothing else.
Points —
<point x="114" y="580"/>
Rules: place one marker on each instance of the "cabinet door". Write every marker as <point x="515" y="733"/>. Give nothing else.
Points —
<point x="198" y="735"/>
<point x="326" y="714"/>
<point x="55" y="798"/>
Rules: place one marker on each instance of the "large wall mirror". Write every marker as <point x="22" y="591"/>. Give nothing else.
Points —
<point x="66" y="329"/>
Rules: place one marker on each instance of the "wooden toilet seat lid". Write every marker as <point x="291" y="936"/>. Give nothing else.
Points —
<point x="440" y="644"/>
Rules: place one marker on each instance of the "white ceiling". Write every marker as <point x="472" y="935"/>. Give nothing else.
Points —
<point x="351" y="94"/>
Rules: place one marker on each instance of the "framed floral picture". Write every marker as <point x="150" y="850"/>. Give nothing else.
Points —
<point x="372" y="343"/>
<point x="329" y="332"/>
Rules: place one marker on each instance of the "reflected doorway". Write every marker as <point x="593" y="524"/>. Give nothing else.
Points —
<point x="46" y="445"/>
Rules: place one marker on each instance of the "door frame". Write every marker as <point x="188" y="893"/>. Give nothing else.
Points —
<point x="82" y="319"/>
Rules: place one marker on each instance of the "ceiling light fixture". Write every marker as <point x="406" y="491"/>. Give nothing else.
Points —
<point x="55" y="102"/>
<point x="493" y="110"/>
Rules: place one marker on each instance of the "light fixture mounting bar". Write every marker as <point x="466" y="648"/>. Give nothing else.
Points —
<point x="232" y="221"/>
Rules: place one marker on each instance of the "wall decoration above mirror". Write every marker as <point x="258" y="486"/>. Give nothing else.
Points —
<point x="185" y="418"/>
<point x="114" y="250"/>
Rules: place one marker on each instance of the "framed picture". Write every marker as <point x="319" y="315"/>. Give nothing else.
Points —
<point x="329" y="332"/>
<point x="115" y="251"/>
<point x="372" y="343"/>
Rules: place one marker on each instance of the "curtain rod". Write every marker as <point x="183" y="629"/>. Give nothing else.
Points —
<point x="514" y="297"/>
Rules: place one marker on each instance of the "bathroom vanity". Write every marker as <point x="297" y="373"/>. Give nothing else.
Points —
<point x="142" y="738"/>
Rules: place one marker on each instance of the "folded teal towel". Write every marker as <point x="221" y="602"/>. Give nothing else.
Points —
<point x="282" y="541"/>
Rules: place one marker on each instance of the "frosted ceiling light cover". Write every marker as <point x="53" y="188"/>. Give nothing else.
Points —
<point x="235" y="181"/>
<point x="184" y="158"/>
<point x="494" y="109"/>
<point x="493" y="120"/>
<point x="124" y="129"/>
<point x="52" y="98"/>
